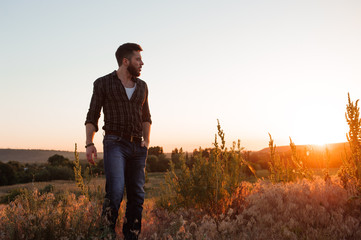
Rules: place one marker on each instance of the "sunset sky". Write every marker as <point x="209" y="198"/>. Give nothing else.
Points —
<point x="279" y="67"/>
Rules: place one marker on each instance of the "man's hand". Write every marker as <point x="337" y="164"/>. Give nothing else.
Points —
<point x="145" y="144"/>
<point x="89" y="154"/>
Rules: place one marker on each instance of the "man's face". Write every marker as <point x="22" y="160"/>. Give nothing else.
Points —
<point x="135" y="64"/>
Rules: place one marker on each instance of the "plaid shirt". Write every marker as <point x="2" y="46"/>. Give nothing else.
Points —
<point x="121" y="115"/>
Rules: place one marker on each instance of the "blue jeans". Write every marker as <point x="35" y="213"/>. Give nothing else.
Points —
<point x="124" y="166"/>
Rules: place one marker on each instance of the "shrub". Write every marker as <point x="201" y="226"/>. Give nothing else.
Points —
<point x="36" y="216"/>
<point x="59" y="160"/>
<point x="60" y="173"/>
<point x="152" y="163"/>
<point x="50" y="173"/>
<point x="7" y="174"/>
<point x="42" y="175"/>
<point x="175" y="157"/>
<point x="351" y="168"/>
<point x="11" y="195"/>
<point x="210" y="181"/>
<point x="156" y="151"/>
<point x="303" y="209"/>
<point x="47" y="189"/>
<point x="289" y="169"/>
<point x="157" y="163"/>
<point x="78" y="177"/>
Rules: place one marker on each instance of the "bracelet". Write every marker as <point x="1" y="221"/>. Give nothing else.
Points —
<point x="89" y="144"/>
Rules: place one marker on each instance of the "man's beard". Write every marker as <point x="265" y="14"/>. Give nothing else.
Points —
<point x="133" y="70"/>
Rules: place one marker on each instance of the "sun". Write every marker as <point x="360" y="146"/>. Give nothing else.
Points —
<point x="318" y="131"/>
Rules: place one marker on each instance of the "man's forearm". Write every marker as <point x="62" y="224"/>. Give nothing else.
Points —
<point x="90" y="131"/>
<point x="146" y="131"/>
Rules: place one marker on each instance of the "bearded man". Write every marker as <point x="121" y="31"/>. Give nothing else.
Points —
<point x="124" y="99"/>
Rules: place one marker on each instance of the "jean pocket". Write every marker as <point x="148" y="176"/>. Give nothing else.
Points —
<point x="110" y="139"/>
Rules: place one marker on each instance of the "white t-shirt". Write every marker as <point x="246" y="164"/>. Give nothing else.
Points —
<point x="130" y="91"/>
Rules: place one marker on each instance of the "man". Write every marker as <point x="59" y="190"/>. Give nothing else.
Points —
<point x="127" y="120"/>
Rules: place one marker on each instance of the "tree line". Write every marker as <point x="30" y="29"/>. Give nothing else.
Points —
<point x="59" y="167"/>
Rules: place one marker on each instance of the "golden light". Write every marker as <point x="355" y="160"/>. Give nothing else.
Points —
<point x="318" y="128"/>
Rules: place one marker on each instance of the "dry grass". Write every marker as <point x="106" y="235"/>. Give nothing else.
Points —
<point x="300" y="210"/>
<point x="59" y="186"/>
<point x="151" y="187"/>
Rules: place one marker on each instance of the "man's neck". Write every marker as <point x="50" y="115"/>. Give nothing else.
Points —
<point x="125" y="77"/>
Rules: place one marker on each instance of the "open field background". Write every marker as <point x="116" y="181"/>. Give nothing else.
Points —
<point x="36" y="155"/>
<point x="39" y="156"/>
<point x="152" y="186"/>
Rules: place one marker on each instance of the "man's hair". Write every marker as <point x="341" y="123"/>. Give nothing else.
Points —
<point x="126" y="51"/>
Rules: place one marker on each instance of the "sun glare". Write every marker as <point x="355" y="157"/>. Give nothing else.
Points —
<point x="318" y="131"/>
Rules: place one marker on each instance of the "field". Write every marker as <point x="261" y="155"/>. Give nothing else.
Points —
<point x="304" y="209"/>
<point x="216" y="194"/>
<point x="152" y="186"/>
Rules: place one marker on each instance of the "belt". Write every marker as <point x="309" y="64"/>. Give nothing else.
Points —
<point x="126" y="137"/>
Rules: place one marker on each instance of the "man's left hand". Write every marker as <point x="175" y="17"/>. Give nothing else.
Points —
<point x="145" y="144"/>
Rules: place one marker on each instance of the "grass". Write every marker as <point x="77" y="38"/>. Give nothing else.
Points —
<point x="59" y="186"/>
<point x="152" y="187"/>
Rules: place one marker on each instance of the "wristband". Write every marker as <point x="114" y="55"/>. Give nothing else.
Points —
<point x="89" y="144"/>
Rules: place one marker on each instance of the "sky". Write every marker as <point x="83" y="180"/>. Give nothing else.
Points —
<point x="278" y="67"/>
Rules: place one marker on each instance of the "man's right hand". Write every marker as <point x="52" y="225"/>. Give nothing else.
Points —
<point x="90" y="151"/>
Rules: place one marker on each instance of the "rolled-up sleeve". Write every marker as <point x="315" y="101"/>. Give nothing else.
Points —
<point x="96" y="105"/>
<point x="145" y="111"/>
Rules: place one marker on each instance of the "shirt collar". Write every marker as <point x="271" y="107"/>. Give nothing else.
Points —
<point x="134" y="79"/>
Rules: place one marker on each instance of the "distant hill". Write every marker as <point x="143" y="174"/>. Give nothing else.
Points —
<point x="312" y="155"/>
<point x="331" y="146"/>
<point x="36" y="156"/>
<point x="262" y="156"/>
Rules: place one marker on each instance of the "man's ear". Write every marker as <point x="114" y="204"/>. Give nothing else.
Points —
<point x="125" y="61"/>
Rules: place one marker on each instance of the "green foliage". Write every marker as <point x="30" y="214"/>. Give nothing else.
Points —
<point x="289" y="169"/>
<point x="14" y="172"/>
<point x="299" y="169"/>
<point x="78" y="177"/>
<point x="35" y="215"/>
<point x="351" y="167"/>
<point x="49" y="173"/>
<point x="279" y="170"/>
<point x="209" y="183"/>
<point x="42" y="175"/>
<point x="7" y="174"/>
<point x="11" y="196"/>
<point x="152" y="161"/>
<point x="157" y="163"/>
<point x="156" y="151"/>
<point x="175" y="157"/>
<point x="59" y="160"/>
<point x="47" y="189"/>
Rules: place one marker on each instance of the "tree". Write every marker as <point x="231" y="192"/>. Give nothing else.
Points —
<point x="59" y="160"/>
<point x="176" y="157"/>
<point x="157" y="164"/>
<point x="156" y="151"/>
<point x="152" y="161"/>
<point x="7" y="174"/>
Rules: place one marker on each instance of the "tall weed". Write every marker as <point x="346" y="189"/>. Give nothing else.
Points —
<point x="287" y="170"/>
<point x="209" y="183"/>
<point x="350" y="170"/>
